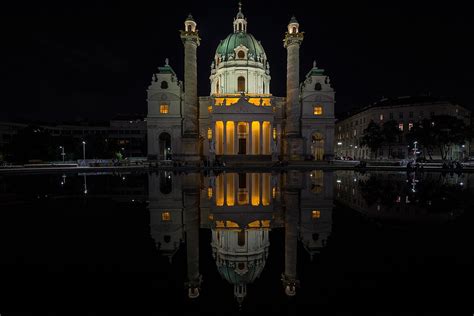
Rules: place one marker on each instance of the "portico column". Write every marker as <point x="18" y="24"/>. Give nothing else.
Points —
<point x="191" y="217"/>
<point x="250" y="151"/>
<point x="224" y="139"/>
<point x="236" y="139"/>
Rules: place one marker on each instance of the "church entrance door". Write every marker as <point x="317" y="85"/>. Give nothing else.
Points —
<point x="242" y="146"/>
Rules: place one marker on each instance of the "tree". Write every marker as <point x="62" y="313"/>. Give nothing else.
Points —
<point x="423" y="132"/>
<point x="449" y="130"/>
<point x="441" y="131"/>
<point x="31" y="143"/>
<point x="391" y="134"/>
<point x="372" y="137"/>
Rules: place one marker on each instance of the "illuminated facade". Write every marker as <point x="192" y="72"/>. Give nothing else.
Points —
<point x="240" y="210"/>
<point x="240" y="118"/>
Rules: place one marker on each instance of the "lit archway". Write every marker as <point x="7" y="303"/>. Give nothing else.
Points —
<point x="317" y="146"/>
<point x="164" y="143"/>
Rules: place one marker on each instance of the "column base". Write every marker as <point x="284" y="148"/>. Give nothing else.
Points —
<point x="190" y="149"/>
<point x="293" y="148"/>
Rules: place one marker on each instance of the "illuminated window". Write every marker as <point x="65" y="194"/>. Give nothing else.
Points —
<point x="318" y="110"/>
<point x="164" y="109"/>
<point x="410" y="126"/>
<point x="315" y="214"/>
<point x="355" y="132"/>
<point x="209" y="133"/>
<point x="241" y="54"/>
<point x="241" y="84"/>
<point x="381" y="117"/>
<point x="274" y="133"/>
<point x="165" y="216"/>
<point x="400" y="126"/>
<point x="209" y="108"/>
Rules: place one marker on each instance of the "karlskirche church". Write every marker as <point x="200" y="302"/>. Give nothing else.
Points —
<point x="240" y="118"/>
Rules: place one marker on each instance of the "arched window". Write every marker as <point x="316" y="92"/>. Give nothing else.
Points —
<point x="217" y="87"/>
<point x="241" y="238"/>
<point x="294" y="29"/>
<point x="317" y="86"/>
<point x="164" y="146"/>
<point x="190" y="28"/>
<point x="241" y="84"/>
<point x="166" y="183"/>
<point x="164" y="85"/>
<point x="241" y="54"/>
<point x="240" y="27"/>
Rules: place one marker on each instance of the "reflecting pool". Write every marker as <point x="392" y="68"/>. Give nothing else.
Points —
<point x="237" y="241"/>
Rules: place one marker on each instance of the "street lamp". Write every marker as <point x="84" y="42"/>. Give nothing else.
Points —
<point x="62" y="152"/>
<point x="84" y="152"/>
<point x="414" y="150"/>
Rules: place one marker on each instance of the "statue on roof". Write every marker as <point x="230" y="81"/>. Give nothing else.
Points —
<point x="167" y="62"/>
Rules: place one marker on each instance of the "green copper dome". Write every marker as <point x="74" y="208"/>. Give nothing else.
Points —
<point x="234" y="40"/>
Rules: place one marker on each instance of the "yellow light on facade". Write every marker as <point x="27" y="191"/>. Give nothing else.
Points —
<point x="255" y="178"/>
<point x="230" y="182"/>
<point x="274" y="192"/>
<point x="254" y="224"/>
<point x="209" y="192"/>
<point x="220" y="190"/>
<point x="315" y="214"/>
<point x="274" y="133"/>
<point x="260" y="101"/>
<point x="164" y="109"/>
<point x="220" y="224"/>
<point x="266" y="223"/>
<point x="209" y="108"/>
<point x="211" y="217"/>
<point x="318" y="110"/>
<point x="209" y="133"/>
<point x="165" y="216"/>
<point x="231" y="224"/>
<point x="225" y="101"/>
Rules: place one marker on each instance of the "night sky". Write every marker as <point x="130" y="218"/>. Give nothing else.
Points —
<point x="93" y="61"/>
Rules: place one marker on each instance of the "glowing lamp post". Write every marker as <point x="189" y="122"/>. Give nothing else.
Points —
<point x="63" y="154"/>
<point x="84" y="152"/>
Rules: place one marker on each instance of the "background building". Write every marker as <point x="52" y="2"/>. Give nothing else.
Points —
<point x="406" y="111"/>
<point x="128" y="133"/>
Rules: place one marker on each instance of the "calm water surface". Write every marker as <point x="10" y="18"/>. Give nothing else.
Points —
<point x="237" y="242"/>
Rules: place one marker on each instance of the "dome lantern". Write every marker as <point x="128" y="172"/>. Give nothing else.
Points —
<point x="240" y="22"/>
<point x="190" y="24"/>
<point x="293" y="26"/>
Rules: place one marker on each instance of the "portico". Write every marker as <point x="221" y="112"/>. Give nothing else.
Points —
<point x="250" y="132"/>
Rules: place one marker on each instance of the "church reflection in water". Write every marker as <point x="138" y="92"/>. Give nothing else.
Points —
<point x="240" y="209"/>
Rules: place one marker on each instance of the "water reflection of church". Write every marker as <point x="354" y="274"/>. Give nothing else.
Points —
<point x="241" y="209"/>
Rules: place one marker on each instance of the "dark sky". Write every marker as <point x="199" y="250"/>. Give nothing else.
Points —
<point x="95" y="60"/>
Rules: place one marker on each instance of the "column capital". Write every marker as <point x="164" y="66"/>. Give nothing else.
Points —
<point x="292" y="39"/>
<point x="190" y="37"/>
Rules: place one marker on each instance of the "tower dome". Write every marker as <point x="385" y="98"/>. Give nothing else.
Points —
<point x="240" y="64"/>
